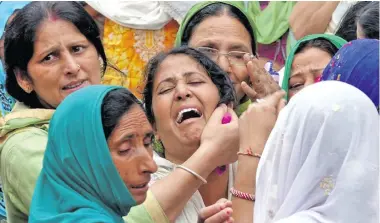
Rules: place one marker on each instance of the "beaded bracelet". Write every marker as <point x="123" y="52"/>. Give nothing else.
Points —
<point x="194" y="173"/>
<point x="242" y="195"/>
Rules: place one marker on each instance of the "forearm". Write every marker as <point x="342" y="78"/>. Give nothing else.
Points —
<point x="175" y="190"/>
<point x="245" y="181"/>
<point x="311" y="18"/>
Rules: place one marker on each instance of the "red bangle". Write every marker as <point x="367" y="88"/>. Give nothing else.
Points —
<point x="242" y="195"/>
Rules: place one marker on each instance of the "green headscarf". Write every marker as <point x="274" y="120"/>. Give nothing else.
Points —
<point x="79" y="181"/>
<point x="199" y="6"/>
<point x="273" y="21"/>
<point x="335" y="40"/>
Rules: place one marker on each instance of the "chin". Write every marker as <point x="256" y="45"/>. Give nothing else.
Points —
<point x="139" y="199"/>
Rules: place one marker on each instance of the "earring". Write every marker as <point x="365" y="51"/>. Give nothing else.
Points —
<point x="78" y="66"/>
<point x="28" y="89"/>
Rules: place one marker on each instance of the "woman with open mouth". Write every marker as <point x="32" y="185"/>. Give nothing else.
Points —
<point x="52" y="49"/>
<point x="101" y="166"/>
<point x="186" y="97"/>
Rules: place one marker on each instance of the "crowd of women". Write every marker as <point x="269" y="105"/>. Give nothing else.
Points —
<point x="215" y="138"/>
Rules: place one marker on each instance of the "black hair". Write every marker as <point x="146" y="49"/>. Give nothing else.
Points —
<point x="115" y="104"/>
<point x="320" y="43"/>
<point x="20" y="36"/>
<point x="7" y="22"/>
<point x="347" y="26"/>
<point x="217" y="9"/>
<point x="368" y="19"/>
<point x="218" y="76"/>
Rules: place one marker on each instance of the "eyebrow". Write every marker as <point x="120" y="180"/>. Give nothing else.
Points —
<point x="133" y="135"/>
<point x="311" y="69"/>
<point x="56" y="47"/>
<point x="238" y="47"/>
<point x="173" y="80"/>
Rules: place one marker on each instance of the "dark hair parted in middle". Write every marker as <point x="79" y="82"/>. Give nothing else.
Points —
<point x="20" y="36"/>
<point x="347" y="26"/>
<point x="319" y="43"/>
<point x="218" y="77"/>
<point x="115" y="104"/>
<point x="217" y="9"/>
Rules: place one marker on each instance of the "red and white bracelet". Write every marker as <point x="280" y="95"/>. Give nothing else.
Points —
<point x="242" y="195"/>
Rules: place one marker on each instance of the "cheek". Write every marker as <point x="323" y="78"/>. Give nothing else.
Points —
<point x="123" y="167"/>
<point x="241" y="73"/>
<point x="212" y="99"/>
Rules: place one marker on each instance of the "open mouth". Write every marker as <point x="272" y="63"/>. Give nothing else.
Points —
<point x="139" y="186"/>
<point x="73" y="86"/>
<point x="188" y="113"/>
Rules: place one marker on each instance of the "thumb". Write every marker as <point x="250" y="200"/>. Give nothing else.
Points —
<point x="217" y="115"/>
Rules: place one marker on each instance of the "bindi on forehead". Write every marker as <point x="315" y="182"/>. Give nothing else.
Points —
<point x="53" y="17"/>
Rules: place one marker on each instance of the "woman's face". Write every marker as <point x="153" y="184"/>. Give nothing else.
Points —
<point x="130" y="144"/>
<point x="184" y="97"/>
<point x="307" y="68"/>
<point x="63" y="61"/>
<point x="225" y="34"/>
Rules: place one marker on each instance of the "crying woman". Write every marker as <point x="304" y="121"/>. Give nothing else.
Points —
<point x="186" y="96"/>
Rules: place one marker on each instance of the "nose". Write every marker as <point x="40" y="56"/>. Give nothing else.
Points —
<point x="71" y="67"/>
<point x="182" y="92"/>
<point x="147" y="164"/>
<point x="223" y="63"/>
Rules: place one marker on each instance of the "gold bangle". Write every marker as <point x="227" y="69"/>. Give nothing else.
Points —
<point x="194" y="173"/>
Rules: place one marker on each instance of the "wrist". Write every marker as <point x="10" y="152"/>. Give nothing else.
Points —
<point x="201" y="162"/>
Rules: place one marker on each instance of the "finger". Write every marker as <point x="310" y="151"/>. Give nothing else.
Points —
<point x="221" y="216"/>
<point x="230" y="220"/>
<point x="234" y="118"/>
<point x="218" y="114"/>
<point x="248" y="91"/>
<point x="252" y="70"/>
<point x="222" y="201"/>
<point x="211" y="210"/>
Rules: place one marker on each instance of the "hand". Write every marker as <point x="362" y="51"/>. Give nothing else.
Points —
<point x="262" y="82"/>
<point x="258" y="120"/>
<point x="220" y="142"/>
<point x="220" y="212"/>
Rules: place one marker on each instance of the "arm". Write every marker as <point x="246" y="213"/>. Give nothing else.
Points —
<point x="217" y="148"/>
<point x="255" y="126"/>
<point x="245" y="181"/>
<point x="311" y="17"/>
<point x="148" y="212"/>
<point x="21" y="163"/>
<point x="173" y="201"/>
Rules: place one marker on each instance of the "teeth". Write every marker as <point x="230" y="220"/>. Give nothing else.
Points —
<point x="139" y="186"/>
<point x="73" y="86"/>
<point x="180" y="114"/>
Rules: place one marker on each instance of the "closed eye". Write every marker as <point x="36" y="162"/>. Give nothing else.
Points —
<point x="196" y="82"/>
<point x="165" y="90"/>
<point x="123" y="152"/>
<point x="295" y="86"/>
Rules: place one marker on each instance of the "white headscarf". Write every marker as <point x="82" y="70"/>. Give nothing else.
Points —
<point x="151" y="15"/>
<point x="321" y="161"/>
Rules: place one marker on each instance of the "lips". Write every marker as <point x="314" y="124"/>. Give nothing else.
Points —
<point x="139" y="186"/>
<point x="73" y="85"/>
